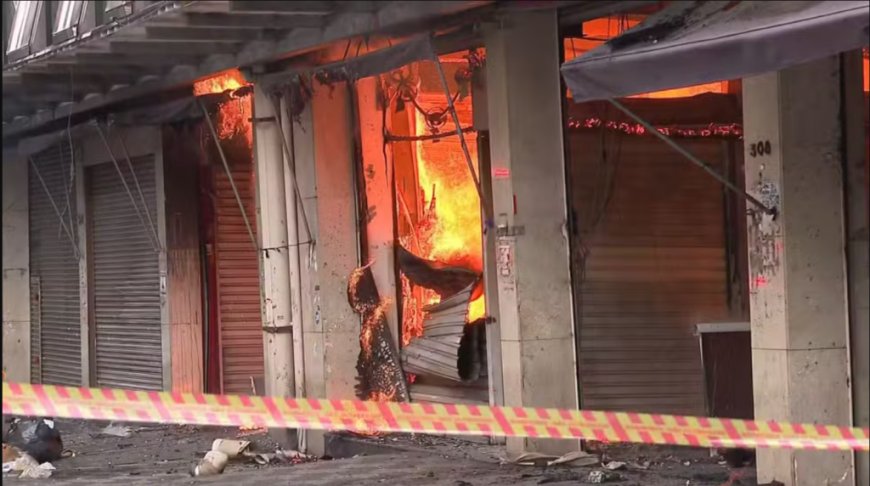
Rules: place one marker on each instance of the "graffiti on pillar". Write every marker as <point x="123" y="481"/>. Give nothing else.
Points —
<point x="765" y="238"/>
<point x="505" y="262"/>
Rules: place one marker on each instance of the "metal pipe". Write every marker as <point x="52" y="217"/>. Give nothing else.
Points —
<point x="452" y="108"/>
<point x="288" y="156"/>
<point x="223" y="156"/>
<point x="155" y="244"/>
<point x="700" y="163"/>
<point x="56" y="209"/>
<point x="293" y="209"/>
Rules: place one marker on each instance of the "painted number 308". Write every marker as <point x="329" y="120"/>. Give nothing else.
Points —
<point x="760" y="148"/>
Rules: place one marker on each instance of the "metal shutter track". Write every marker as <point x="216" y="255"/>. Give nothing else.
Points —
<point x="656" y="266"/>
<point x="56" y="339"/>
<point x="126" y="279"/>
<point x="238" y="281"/>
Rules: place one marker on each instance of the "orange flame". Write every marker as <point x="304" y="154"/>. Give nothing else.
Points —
<point x="234" y="116"/>
<point x="451" y="231"/>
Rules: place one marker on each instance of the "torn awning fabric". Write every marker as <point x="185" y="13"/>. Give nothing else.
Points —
<point x="693" y="42"/>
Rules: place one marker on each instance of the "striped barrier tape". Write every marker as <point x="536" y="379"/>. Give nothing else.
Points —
<point x="281" y="412"/>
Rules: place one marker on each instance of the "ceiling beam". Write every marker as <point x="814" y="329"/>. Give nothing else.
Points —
<point x="252" y="20"/>
<point x="205" y="34"/>
<point x="300" y="7"/>
<point x="135" y="48"/>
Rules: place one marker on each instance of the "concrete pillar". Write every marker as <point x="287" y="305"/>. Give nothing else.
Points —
<point x="797" y="263"/>
<point x="859" y="253"/>
<point x="324" y="165"/>
<point x="16" y="269"/>
<point x="379" y="183"/>
<point x="274" y="260"/>
<point x="528" y="170"/>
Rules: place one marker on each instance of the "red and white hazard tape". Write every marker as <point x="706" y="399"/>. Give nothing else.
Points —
<point x="280" y="412"/>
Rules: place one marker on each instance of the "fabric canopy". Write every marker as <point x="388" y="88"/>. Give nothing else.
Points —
<point x="692" y="43"/>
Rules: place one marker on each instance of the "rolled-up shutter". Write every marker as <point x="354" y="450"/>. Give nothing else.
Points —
<point x="238" y="281"/>
<point x="126" y="277"/>
<point x="54" y="270"/>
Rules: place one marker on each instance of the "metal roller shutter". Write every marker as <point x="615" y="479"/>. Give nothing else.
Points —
<point x="238" y="281"/>
<point x="126" y="278"/>
<point x="655" y="266"/>
<point x="54" y="269"/>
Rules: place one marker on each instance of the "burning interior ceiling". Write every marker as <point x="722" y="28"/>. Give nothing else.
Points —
<point x="234" y="115"/>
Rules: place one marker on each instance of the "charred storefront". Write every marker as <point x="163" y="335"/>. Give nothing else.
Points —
<point x="420" y="291"/>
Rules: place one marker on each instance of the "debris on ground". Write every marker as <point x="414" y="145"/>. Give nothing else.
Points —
<point x="41" y="471"/>
<point x="38" y="438"/>
<point x="280" y="455"/>
<point x="117" y="430"/>
<point x="212" y="464"/>
<point x="231" y="447"/>
<point x="10" y="453"/>
<point x="571" y="459"/>
<point x="599" y="477"/>
<point x="615" y="465"/>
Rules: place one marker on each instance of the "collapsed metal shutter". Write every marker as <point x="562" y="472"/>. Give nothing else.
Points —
<point x="652" y="228"/>
<point x="126" y="277"/>
<point x="238" y="281"/>
<point x="54" y="270"/>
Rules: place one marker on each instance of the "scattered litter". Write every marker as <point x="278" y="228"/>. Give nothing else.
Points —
<point x="687" y="463"/>
<point x="293" y="457"/>
<point x="615" y="465"/>
<point x="41" y="471"/>
<point x="573" y="459"/>
<point x="534" y="459"/>
<point x="598" y="477"/>
<point x="212" y="464"/>
<point x="117" y="430"/>
<point x="640" y="465"/>
<point x="10" y="453"/>
<point x="232" y="448"/>
<point x="22" y="462"/>
<point x="576" y="459"/>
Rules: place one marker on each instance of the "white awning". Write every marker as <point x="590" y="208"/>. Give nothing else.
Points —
<point x="693" y="43"/>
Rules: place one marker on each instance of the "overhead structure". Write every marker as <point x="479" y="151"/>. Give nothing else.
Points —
<point x="693" y="43"/>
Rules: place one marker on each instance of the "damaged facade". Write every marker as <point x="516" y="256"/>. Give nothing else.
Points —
<point x="402" y="201"/>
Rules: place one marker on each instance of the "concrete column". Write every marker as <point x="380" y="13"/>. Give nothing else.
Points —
<point x="16" y="269"/>
<point x="381" y="218"/>
<point x="528" y="167"/>
<point x="797" y="263"/>
<point x="324" y="164"/>
<point x="274" y="261"/>
<point x="859" y="254"/>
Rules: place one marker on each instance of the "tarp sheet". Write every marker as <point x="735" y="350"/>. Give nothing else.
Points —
<point x="692" y="43"/>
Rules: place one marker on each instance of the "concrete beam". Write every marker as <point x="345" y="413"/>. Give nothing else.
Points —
<point x="274" y="263"/>
<point x="798" y="281"/>
<point x="529" y="201"/>
<point x="326" y="179"/>
<point x="16" y="269"/>
<point x="379" y="183"/>
<point x="858" y="252"/>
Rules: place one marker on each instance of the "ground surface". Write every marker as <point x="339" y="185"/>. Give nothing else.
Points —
<point x="164" y="454"/>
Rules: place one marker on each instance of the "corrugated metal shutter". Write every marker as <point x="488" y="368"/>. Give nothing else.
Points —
<point x="126" y="278"/>
<point x="655" y="265"/>
<point x="54" y="268"/>
<point x="238" y="281"/>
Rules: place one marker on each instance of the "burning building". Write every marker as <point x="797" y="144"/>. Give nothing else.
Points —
<point x="442" y="202"/>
